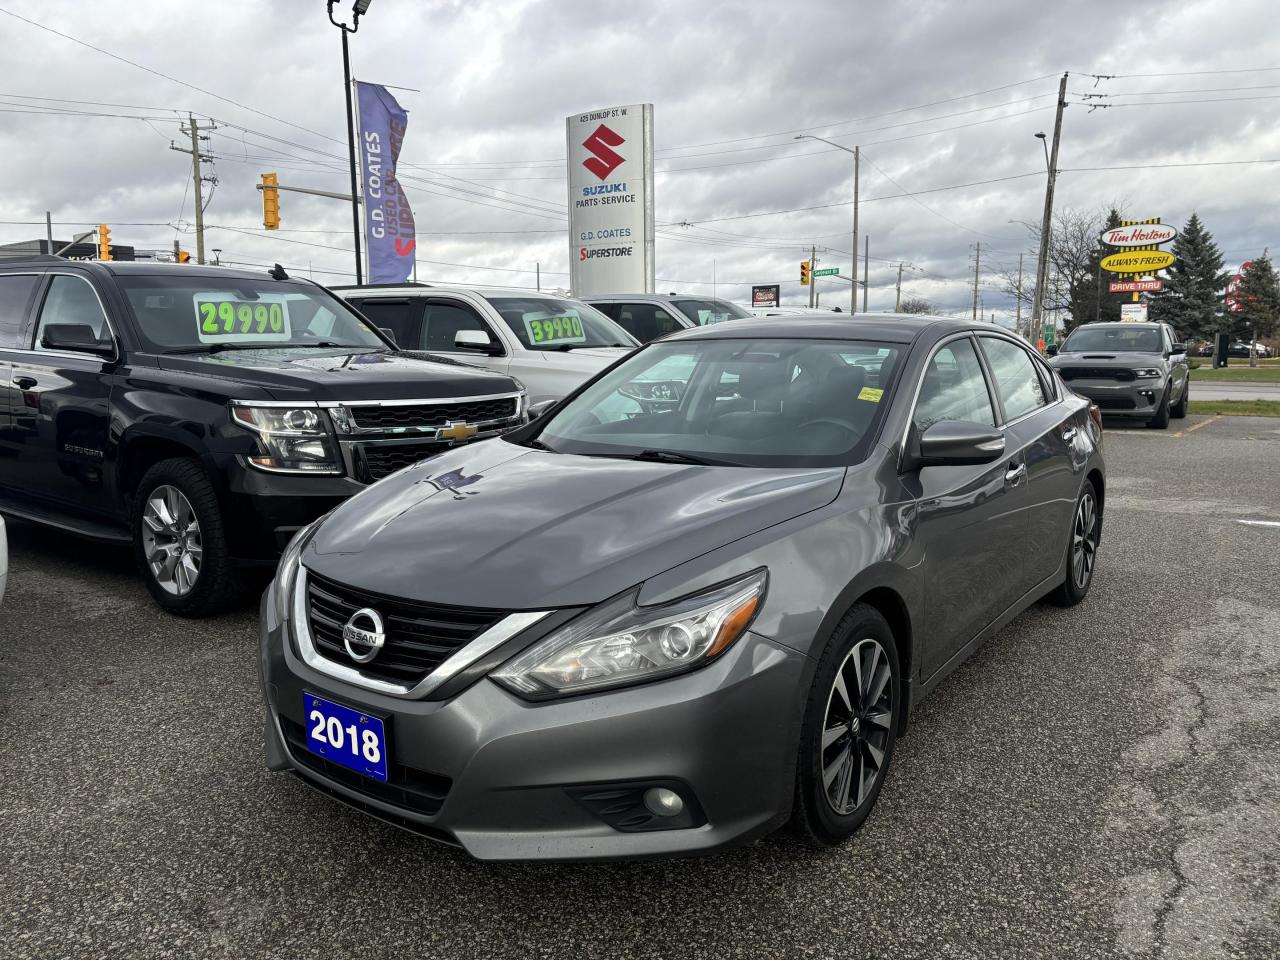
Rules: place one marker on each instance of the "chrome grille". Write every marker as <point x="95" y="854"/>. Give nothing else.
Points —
<point x="411" y="416"/>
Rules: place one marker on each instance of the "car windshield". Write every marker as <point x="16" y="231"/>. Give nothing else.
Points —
<point x="1090" y="339"/>
<point x="550" y="323"/>
<point x="734" y="402"/>
<point x="192" y="313"/>
<point x="710" y="311"/>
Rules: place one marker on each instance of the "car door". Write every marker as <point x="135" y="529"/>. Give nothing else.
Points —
<point x="56" y="444"/>
<point x="971" y="521"/>
<point x="1041" y="429"/>
<point x="446" y="317"/>
<point x="17" y="290"/>
<point x="1178" y="369"/>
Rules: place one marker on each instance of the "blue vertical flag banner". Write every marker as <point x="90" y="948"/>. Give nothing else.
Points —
<point x="388" y="219"/>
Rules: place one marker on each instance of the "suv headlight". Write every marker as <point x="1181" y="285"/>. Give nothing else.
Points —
<point x="294" y="439"/>
<point x="621" y="643"/>
<point x="1147" y="373"/>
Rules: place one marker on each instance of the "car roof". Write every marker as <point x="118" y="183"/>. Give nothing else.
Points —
<point x="1121" y="323"/>
<point x="136" y="268"/>
<point x="889" y="327"/>
<point x="433" y="289"/>
<point x="663" y="297"/>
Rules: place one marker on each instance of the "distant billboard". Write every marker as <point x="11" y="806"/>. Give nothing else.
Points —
<point x="1133" y="312"/>
<point x="766" y="295"/>
<point x="610" y="159"/>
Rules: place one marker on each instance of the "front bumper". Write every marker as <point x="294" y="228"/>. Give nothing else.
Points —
<point x="1136" y="398"/>
<point x="501" y="777"/>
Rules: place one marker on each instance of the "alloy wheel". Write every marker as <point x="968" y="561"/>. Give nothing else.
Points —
<point x="1084" y="541"/>
<point x="171" y="540"/>
<point x="856" y="726"/>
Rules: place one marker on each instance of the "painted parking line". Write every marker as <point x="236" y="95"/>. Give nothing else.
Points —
<point x="1196" y="426"/>
<point x="1260" y="523"/>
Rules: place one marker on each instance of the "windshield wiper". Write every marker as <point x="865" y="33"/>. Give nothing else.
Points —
<point x="668" y="456"/>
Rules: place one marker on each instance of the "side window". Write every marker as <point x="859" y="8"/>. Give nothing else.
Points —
<point x="72" y="302"/>
<point x="1017" y="381"/>
<point x="610" y="310"/>
<point x="15" y="299"/>
<point x="645" y="321"/>
<point x="401" y="315"/>
<point x="444" y="320"/>
<point x="954" y="388"/>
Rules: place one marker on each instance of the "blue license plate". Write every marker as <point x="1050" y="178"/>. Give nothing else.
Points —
<point x="342" y="735"/>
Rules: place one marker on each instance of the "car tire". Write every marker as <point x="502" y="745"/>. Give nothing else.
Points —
<point x="1161" y="420"/>
<point x="1085" y="534"/>
<point x="177" y="528"/>
<point x="830" y="808"/>
<point x="1179" y="410"/>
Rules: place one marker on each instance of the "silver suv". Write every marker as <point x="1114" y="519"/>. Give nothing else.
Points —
<point x="549" y="343"/>
<point x="1128" y="369"/>
<point x="647" y="316"/>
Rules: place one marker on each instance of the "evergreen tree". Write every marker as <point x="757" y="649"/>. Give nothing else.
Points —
<point x="1089" y="299"/>
<point x="1259" y="299"/>
<point x="1193" y="288"/>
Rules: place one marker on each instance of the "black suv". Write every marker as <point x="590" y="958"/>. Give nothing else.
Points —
<point x="206" y="414"/>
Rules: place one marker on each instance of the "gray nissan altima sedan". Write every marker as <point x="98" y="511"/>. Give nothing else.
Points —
<point x="695" y="600"/>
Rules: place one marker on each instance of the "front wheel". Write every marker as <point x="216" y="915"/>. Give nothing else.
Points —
<point x="1179" y="410"/>
<point x="849" y="730"/>
<point x="1161" y="420"/>
<point x="180" y="541"/>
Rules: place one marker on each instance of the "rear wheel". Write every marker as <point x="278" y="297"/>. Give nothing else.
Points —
<point x="1180" y="408"/>
<point x="180" y="541"/>
<point x="849" y="730"/>
<point x="1082" y="549"/>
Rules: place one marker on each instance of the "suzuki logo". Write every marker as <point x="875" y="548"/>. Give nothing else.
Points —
<point x="604" y="159"/>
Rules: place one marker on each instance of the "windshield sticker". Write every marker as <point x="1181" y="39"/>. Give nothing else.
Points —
<point x="547" y="331"/>
<point x="221" y="318"/>
<point x="870" y="393"/>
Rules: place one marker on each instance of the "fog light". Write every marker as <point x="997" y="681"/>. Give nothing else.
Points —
<point x="662" y="802"/>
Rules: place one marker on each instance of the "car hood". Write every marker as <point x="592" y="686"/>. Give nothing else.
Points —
<point x="498" y="525"/>
<point x="1101" y="358"/>
<point x="334" y="374"/>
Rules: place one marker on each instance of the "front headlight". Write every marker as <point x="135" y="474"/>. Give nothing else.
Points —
<point x="294" y="439"/>
<point x="622" y="643"/>
<point x="1148" y="374"/>
<point x="287" y="571"/>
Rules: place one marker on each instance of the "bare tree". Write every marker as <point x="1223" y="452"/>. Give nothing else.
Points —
<point x="916" y="305"/>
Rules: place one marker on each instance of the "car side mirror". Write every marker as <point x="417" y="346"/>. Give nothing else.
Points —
<point x="1179" y="348"/>
<point x="1051" y="350"/>
<point x="76" y="338"/>
<point x="540" y="408"/>
<point x="389" y="334"/>
<point x="951" y="443"/>
<point x="476" y="340"/>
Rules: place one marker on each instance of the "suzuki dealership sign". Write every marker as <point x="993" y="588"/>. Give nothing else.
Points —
<point x="610" y="157"/>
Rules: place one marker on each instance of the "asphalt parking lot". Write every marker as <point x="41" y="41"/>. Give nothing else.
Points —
<point x="1097" y="782"/>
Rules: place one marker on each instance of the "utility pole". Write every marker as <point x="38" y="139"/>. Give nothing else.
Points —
<point x="866" y="268"/>
<point x="357" y="10"/>
<point x="977" y="264"/>
<point x="176" y="250"/>
<point x="197" y="178"/>
<point x="853" y="287"/>
<point x="813" y="281"/>
<point x="48" y="228"/>
<point x="1017" y="323"/>
<point x="897" y="297"/>
<point x="1046" y="223"/>
<point x="537" y="273"/>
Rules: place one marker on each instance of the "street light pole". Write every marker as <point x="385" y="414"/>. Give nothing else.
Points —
<point x="1046" y="223"/>
<point x="360" y="7"/>
<point x="856" y="151"/>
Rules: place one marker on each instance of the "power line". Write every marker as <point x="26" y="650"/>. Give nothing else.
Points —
<point x="1156" y="166"/>
<point x="165" y="76"/>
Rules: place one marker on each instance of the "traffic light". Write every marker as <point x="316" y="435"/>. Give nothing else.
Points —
<point x="104" y="242"/>
<point x="805" y="268"/>
<point x="184" y="257"/>
<point x="270" y="201"/>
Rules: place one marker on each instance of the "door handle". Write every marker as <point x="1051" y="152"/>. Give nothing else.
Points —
<point x="1015" y="474"/>
<point x="25" y="383"/>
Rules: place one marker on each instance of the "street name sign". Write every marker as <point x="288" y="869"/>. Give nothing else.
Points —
<point x="827" y="272"/>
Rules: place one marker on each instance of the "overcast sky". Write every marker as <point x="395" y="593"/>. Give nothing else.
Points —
<point x="937" y="94"/>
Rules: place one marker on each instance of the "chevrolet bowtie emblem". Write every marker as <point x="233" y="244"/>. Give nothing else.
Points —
<point x="457" y="431"/>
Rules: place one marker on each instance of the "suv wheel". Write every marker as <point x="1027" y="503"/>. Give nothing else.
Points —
<point x="849" y="729"/>
<point x="1082" y="549"/>
<point x="180" y="541"/>
<point x="1179" y="410"/>
<point x="1161" y="420"/>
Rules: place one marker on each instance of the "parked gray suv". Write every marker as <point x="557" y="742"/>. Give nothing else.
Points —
<point x="1128" y="369"/>
<point x="698" y="598"/>
<point x="647" y="316"/>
